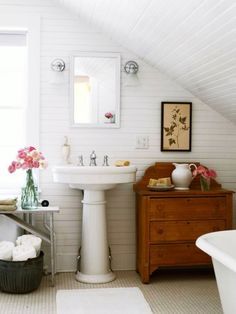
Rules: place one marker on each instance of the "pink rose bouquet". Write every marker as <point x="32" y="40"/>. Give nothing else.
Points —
<point x="205" y="176"/>
<point x="27" y="159"/>
<point x="108" y="115"/>
<point x="206" y="173"/>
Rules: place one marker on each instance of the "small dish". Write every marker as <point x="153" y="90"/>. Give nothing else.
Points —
<point x="160" y="187"/>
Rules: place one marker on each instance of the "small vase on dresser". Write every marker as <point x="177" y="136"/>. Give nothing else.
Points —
<point x="205" y="183"/>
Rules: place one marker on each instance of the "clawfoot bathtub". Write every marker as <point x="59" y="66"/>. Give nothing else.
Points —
<point x="221" y="246"/>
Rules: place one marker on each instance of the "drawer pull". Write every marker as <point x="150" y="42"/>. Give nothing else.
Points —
<point x="160" y="231"/>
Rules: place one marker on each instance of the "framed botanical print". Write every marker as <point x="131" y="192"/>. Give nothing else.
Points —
<point x="176" y="120"/>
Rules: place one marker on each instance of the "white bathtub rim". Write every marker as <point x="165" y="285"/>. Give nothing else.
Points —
<point x="211" y="249"/>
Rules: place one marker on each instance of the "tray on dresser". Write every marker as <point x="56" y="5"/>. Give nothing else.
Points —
<point x="160" y="187"/>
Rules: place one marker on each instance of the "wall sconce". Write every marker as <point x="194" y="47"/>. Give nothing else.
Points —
<point x="58" y="77"/>
<point x="131" y="69"/>
<point x="58" y="65"/>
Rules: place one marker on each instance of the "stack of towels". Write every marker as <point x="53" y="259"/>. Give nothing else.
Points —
<point x="27" y="246"/>
<point x="8" y="204"/>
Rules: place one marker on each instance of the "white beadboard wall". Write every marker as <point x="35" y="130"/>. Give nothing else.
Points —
<point x="213" y="137"/>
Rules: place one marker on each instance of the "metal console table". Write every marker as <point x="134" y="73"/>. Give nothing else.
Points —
<point x="48" y="223"/>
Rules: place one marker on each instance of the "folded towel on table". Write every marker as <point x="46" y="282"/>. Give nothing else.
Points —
<point x="8" y="201"/>
<point x="30" y="239"/>
<point x="6" y="248"/>
<point x="23" y="252"/>
<point x="8" y="207"/>
<point x="122" y="163"/>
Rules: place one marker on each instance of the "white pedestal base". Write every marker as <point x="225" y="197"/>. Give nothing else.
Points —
<point x="103" y="278"/>
<point x="94" y="260"/>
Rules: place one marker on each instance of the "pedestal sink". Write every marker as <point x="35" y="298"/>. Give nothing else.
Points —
<point x="94" y="181"/>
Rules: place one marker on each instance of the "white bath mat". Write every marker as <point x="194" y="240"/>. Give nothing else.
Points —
<point x="102" y="301"/>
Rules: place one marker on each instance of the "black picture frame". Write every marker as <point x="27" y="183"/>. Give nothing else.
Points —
<point x="176" y="126"/>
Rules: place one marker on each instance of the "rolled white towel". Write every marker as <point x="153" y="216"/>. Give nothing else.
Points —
<point x="23" y="252"/>
<point x="6" y="248"/>
<point x="30" y="239"/>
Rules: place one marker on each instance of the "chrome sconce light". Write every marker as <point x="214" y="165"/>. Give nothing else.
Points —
<point x="58" y="65"/>
<point x="131" y="69"/>
<point x="57" y="76"/>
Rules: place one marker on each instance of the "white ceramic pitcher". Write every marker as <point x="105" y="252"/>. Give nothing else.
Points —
<point x="182" y="176"/>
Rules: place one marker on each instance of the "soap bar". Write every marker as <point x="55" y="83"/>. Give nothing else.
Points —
<point x="161" y="181"/>
<point x="121" y="163"/>
<point x="152" y="182"/>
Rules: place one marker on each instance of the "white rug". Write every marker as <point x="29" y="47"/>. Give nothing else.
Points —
<point x="102" y="301"/>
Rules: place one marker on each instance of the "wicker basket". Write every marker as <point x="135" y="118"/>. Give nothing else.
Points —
<point x="21" y="277"/>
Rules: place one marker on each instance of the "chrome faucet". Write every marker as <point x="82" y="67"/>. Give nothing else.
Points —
<point x="93" y="159"/>
<point x="80" y="162"/>
<point x="105" y="161"/>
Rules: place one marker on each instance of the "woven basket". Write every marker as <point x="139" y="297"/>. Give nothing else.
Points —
<point x="21" y="277"/>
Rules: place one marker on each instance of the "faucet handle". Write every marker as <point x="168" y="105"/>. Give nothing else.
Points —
<point x="80" y="162"/>
<point x="105" y="161"/>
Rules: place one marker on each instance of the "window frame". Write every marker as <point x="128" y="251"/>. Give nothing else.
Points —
<point x="31" y="25"/>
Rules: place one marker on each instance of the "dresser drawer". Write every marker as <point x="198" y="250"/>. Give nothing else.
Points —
<point x="161" y="231"/>
<point x="186" y="208"/>
<point x="176" y="255"/>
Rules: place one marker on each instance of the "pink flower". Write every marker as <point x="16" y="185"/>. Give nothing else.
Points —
<point x="35" y="164"/>
<point x="18" y="165"/>
<point x="206" y="173"/>
<point x="21" y="154"/>
<point x="201" y="169"/>
<point x="28" y="159"/>
<point x="25" y="166"/>
<point x="11" y="168"/>
<point x="210" y="173"/>
<point x="35" y="154"/>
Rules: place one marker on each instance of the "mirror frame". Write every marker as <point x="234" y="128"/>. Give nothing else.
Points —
<point x="116" y="56"/>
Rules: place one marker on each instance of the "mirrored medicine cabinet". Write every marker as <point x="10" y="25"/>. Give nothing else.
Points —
<point x="95" y="90"/>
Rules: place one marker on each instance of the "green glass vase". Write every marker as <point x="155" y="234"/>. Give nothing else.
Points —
<point x="29" y="193"/>
<point x="205" y="183"/>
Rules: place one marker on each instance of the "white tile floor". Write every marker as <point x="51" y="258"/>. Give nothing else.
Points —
<point x="169" y="292"/>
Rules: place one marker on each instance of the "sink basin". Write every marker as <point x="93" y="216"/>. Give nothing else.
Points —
<point x="95" y="254"/>
<point x="93" y="178"/>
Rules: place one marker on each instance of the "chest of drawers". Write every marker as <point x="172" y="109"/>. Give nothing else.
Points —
<point x="168" y="223"/>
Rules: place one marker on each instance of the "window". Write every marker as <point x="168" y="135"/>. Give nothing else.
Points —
<point x="19" y="91"/>
<point x="13" y="102"/>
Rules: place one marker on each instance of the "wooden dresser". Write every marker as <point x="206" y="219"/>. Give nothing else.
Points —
<point x="169" y="222"/>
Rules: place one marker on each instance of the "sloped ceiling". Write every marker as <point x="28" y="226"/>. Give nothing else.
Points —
<point x="192" y="41"/>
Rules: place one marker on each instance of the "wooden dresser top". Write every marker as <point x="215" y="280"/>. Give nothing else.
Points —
<point x="163" y="170"/>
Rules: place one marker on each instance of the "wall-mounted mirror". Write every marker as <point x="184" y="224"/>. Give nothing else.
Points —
<point x="95" y="89"/>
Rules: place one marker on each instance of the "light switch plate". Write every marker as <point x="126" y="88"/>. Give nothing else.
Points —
<point x="142" y="142"/>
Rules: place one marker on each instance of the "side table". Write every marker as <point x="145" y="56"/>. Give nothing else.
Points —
<point x="48" y="223"/>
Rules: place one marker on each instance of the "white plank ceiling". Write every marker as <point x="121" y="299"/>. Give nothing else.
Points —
<point x="193" y="41"/>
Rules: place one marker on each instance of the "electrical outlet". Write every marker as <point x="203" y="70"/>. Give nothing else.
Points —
<point x="142" y="142"/>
